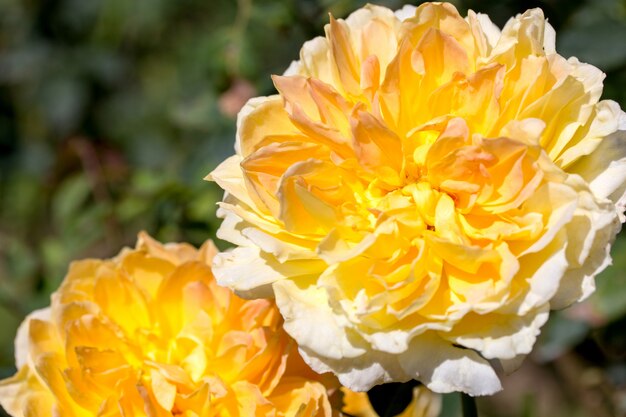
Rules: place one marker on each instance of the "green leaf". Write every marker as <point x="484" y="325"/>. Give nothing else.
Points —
<point x="69" y="198"/>
<point x="20" y="266"/>
<point x="601" y="44"/>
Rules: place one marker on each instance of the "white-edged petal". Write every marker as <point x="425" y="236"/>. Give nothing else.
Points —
<point x="22" y="344"/>
<point x="549" y="39"/>
<point x="295" y="68"/>
<point x="311" y="321"/>
<point x="445" y="368"/>
<point x="282" y="249"/>
<point x="229" y="177"/>
<point x="578" y="283"/>
<point x="605" y="168"/>
<point x="490" y="30"/>
<point x="506" y="336"/>
<point x="406" y="12"/>
<point x="360" y="373"/>
<point x="231" y="228"/>
<point x="250" y="272"/>
<point x="543" y="271"/>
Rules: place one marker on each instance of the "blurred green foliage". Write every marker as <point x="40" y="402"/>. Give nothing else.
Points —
<point x="112" y="112"/>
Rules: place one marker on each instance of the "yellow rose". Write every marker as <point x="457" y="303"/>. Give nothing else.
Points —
<point x="149" y="333"/>
<point x="421" y="192"/>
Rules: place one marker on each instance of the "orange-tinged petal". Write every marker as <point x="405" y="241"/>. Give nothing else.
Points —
<point x="345" y="59"/>
<point x="377" y="148"/>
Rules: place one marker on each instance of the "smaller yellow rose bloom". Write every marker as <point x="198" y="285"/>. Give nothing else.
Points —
<point x="149" y="333"/>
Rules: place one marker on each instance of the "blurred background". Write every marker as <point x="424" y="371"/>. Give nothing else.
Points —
<point x="113" y="111"/>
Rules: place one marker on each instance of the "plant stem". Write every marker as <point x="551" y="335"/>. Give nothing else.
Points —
<point x="468" y="404"/>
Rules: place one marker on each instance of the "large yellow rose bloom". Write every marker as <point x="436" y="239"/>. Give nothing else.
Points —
<point x="149" y="333"/>
<point x="421" y="192"/>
